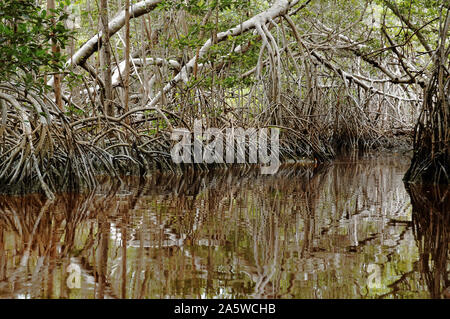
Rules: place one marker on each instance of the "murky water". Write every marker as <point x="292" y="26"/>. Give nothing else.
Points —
<point x="347" y="230"/>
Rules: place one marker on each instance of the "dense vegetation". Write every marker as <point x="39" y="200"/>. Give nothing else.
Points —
<point x="332" y="75"/>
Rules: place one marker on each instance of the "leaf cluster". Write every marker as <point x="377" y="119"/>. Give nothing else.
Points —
<point x="27" y="34"/>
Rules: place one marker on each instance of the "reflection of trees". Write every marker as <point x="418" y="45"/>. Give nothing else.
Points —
<point x="431" y="220"/>
<point x="233" y="233"/>
<point x="276" y="225"/>
<point x="39" y="232"/>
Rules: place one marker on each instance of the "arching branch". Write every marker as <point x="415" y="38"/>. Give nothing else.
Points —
<point x="92" y="45"/>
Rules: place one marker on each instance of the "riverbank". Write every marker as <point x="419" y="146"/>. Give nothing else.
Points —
<point x="63" y="178"/>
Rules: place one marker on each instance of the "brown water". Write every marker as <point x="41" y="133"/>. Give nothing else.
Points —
<point x="347" y="230"/>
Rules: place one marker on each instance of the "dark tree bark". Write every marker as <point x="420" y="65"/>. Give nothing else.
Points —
<point x="431" y="159"/>
<point x="126" y="83"/>
<point x="106" y="59"/>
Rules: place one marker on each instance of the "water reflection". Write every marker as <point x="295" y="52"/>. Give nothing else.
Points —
<point x="431" y="220"/>
<point x="342" y="231"/>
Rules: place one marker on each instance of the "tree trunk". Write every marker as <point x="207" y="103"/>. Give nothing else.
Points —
<point x="431" y="159"/>
<point x="106" y="59"/>
<point x="57" y="77"/>
<point x="127" y="55"/>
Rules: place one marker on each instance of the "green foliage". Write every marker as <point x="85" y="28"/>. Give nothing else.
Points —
<point x="200" y="7"/>
<point x="420" y="13"/>
<point x="27" y="33"/>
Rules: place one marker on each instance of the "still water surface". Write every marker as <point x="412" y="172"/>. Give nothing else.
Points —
<point x="346" y="230"/>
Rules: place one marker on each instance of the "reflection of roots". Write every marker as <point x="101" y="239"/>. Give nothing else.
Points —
<point x="274" y="217"/>
<point x="35" y="219"/>
<point x="431" y="222"/>
<point x="43" y="231"/>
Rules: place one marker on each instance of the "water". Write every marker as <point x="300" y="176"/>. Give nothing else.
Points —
<point x="345" y="230"/>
